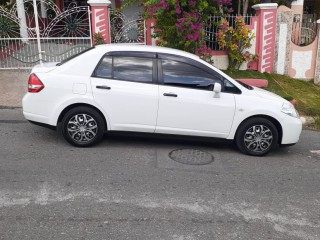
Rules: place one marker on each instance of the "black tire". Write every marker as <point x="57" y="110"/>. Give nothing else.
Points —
<point x="256" y="136"/>
<point x="83" y="126"/>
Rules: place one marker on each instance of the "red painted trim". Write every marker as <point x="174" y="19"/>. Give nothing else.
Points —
<point x="149" y="23"/>
<point x="259" y="39"/>
<point x="107" y="30"/>
<point x="256" y="82"/>
<point x="59" y="4"/>
<point x="253" y="65"/>
<point x="253" y="21"/>
<point x="293" y="101"/>
<point x="269" y="16"/>
<point x="274" y="39"/>
<point x="117" y="3"/>
<point x="219" y="53"/>
<point x="103" y="14"/>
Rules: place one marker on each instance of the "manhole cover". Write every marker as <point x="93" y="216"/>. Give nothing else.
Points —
<point x="191" y="156"/>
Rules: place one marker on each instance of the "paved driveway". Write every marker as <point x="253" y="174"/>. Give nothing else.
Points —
<point x="129" y="188"/>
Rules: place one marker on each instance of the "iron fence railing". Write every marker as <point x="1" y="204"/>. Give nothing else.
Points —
<point x="42" y="34"/>
<point x="211" y="29"/>
<point x="124" y="29"/>
<point x="23" y="53"/>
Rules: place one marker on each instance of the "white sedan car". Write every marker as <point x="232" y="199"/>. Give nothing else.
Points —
<point x="155" y="90"/>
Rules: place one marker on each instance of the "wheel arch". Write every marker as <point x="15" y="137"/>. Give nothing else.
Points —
<point x="66" y="109"/>
<point x="271" y="119"/>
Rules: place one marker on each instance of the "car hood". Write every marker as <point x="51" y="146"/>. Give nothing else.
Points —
<point x="44" y="67"/>
<point x="268" y="95"/>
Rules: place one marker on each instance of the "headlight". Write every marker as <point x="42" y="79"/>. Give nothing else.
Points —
<point x="289" y="109"/>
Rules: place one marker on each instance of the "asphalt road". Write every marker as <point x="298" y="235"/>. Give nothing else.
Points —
<point x="128" y="188"/>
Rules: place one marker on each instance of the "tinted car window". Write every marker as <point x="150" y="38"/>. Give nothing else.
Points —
<point x="186" y="75"/>
<point x="105" y="68"/>
<point x="245" y="85"/>
<point x="132" y="69"/>
<point x="230" y="87"/>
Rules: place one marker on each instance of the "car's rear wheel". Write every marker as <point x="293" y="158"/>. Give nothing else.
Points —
<point x="83" y="126"/>
<point x="256" y="136"/>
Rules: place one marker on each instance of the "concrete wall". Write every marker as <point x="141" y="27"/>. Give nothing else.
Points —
<point x="290" y="59"/>
<point x="317" y="67"/>
<point x="283" y="40"/>
<point x="303" y="61"/>
<point x="220" y="59"/>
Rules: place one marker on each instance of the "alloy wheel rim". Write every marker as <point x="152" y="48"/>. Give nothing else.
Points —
<point x="82" y="128"/>
<point x="258" y="138"/>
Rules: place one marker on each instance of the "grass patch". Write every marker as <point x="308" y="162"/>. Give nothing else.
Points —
<point x="244" y="74"/>
<point x="306" y="93"/>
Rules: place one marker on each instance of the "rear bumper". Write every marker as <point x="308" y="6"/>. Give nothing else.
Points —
<point x="34" y="118"/>
<point x="35" y="109"/>
<point x="43" y="125"/>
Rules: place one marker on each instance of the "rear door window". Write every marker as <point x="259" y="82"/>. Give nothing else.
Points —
<point x="135" y="69"/>
<point x="104" y="69"/>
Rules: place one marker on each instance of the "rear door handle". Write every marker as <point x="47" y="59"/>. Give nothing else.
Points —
<point x="170" y="95"/>
<point x="103" y="87"/>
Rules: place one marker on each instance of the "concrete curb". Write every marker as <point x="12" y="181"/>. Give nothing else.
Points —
<point x="307" y="120"/>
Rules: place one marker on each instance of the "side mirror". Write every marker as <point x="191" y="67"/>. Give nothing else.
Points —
<point x="217" y="90"/>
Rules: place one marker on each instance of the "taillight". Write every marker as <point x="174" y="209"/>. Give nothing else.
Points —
<point x="34" y="84"/>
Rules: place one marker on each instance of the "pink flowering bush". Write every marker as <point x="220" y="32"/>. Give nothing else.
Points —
<point x="179" y="23"/>
<point x="235" y="40"/>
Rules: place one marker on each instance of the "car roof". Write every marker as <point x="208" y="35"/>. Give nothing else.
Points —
<point x="144" y="48"/>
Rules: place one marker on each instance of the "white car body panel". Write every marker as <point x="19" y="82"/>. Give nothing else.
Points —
<point x="176" y="114"/>
<point x="131" y="106"/>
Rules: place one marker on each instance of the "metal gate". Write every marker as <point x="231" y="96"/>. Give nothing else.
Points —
<point x="125" y="29"/>
<point x="34" y="31"/>
<point x="303" y="33"/>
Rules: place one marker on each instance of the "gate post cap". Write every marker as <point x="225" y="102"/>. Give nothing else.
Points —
<point x="265" y="6"/>
<point x="99" y="3"/>
<point x="297" y="3"/>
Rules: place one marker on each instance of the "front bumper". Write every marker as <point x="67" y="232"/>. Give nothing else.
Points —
<point x="291" y="130"/>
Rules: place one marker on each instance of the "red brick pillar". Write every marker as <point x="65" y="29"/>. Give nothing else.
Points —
<point x="266" y="35"/>
<point x="100" y="20"/>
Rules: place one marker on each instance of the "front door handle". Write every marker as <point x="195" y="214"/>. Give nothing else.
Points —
<point x="170" y="95"/>
<point x="103" y="87"/>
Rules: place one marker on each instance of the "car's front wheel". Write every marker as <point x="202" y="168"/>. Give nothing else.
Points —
<point x="256" y="136"/>
<point x="83" y="126"/>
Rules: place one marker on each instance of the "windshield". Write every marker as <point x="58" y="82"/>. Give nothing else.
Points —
<point x="245" y="85"/>
<point x="73" y="56"/>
